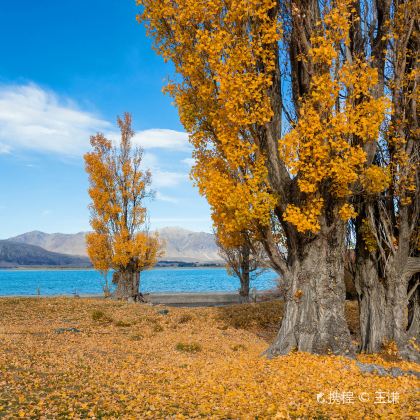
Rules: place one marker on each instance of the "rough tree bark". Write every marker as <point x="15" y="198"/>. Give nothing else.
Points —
<point x="128" y="285"/>
<point x="314" y="318"/>
<point x="414" y="306"/>
<point x="382" y="307"/>
<point x="383" y="303"/>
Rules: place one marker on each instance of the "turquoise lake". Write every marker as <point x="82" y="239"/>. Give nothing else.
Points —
<point x="64" y="282"/>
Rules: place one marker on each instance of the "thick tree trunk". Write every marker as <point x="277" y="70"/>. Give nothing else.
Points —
<point x="382" y="310"/>
<point x="314" y="319"/>
<point x="383" y="307"/>
<point x="128" y="284"/>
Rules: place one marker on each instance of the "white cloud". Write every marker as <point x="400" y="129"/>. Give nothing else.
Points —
<point x="149" y="161"/>
<point x="4" y="149"/>
<point x="159" y="138"/>
<point x="188" y="161"/>
<point x="37" y="119"/>
<point x="160" y="177"/>
<point x="167" y="198"/>
<point x="166" y="178"/>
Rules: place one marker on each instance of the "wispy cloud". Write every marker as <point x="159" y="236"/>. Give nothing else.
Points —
<point x="167" y="178"/>
<point x="34" y="118"/>
<point x="167" y="198"/>
<point x="4" y="149"/>
<point x="162" y="178"/>
<point x="158" y="138"/>
<point x="188" y="161"/>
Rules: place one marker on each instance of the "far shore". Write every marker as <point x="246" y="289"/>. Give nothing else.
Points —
<point x="49" y="268"/>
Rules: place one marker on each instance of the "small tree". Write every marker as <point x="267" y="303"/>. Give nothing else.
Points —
<point x="118" y="187"/>
<point x="244" y="259"/>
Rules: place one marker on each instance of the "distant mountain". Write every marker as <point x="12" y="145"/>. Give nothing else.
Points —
<point x="72" y="244"/>
<point x="185" y="245"/>
<point x="15" y="254"/>
<point x="180" y="244"/>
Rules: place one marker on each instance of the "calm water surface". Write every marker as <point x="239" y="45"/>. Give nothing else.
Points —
<point x="60" y="282"/>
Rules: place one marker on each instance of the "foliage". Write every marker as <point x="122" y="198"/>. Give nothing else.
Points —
<point x="396" y="174"/>
<point x="221" y="97"/>
<point x="226" y="54"/>
<point x="110" y="372"/>
<point x="118" y="188"/>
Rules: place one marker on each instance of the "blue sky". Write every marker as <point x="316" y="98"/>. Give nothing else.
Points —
<point x="67" y="69"/>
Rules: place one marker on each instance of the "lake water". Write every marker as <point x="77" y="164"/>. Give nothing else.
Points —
<point x="62" y="282"/>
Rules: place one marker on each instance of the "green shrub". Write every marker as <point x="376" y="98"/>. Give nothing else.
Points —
<point x="188" y="348"/>
<point x="122" y="324"/>
<point x="100" y="316"/>
<point x="238" y="347"/>
<point x="185" y="318"/>
<point x="157" y="328"/>
<point x="136" y="337"/>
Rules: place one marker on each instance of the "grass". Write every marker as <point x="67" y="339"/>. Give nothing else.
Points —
<point x="100" y="316"/>
<point x="188" y="348"/>
<point x="238" y="347"/>
<point x="122" y="324"/>
<point x="184" y="318"/>
<point x="202" y="363"/>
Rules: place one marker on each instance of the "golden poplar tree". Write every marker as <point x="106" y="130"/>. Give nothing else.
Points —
<point x="118" y="188"/>
<point x="387" y="225"/>
<point x="283" y="119"/>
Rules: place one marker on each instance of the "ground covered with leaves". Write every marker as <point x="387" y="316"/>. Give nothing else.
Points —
<point x="92" y="358"/>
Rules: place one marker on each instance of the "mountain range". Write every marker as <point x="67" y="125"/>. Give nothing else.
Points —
<point x="40" y="248"/>
<point x="16" y="254"/>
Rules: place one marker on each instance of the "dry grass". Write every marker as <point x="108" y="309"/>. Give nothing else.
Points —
<point x="190" y="363"/>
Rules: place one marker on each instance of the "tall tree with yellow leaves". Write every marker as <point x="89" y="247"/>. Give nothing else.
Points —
<point x="271" y="100"/>
<point x="118" y="187"/>
<point x="387" y="225"/>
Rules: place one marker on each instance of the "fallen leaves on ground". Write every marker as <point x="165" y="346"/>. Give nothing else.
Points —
<point x="120" y="360"/>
